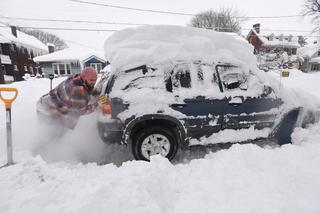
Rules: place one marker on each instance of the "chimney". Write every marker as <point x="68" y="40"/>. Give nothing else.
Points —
<point x="50" y="47"/>
<point x="257" y="28"/>
<point x="14" y="31"/>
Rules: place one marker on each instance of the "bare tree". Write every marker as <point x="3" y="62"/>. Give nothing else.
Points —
<point x="312" y="8"/>
<point x="46" y="37"/>
<point x="224" y="20"/>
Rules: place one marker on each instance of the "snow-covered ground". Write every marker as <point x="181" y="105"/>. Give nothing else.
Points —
<point x="65" y="175"/>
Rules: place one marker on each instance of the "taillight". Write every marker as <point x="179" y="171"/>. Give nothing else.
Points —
<point x="106" y="107"/>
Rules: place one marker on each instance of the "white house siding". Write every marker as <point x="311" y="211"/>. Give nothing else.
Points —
<point x="47" y="67"/>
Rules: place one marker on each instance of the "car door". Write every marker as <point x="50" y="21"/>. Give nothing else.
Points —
<point x="244" y="107"/>
<point x="202" y="114"/>
<point x="259" y="112"/>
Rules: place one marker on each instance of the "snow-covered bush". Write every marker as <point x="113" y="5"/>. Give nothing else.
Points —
<point x="26" y="76"/>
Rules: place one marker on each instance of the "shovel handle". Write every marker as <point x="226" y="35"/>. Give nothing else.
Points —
<point x="6" y="101"/>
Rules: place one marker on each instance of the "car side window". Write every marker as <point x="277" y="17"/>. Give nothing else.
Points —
<point x="179" y="78"/>
<point x="231" y="77"/>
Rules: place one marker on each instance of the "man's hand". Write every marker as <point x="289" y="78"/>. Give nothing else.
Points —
<point x="102" y="100"/>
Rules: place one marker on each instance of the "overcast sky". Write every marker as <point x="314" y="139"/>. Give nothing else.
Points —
<point x="70" y="10"/>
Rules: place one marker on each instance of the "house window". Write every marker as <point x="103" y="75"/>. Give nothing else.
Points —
<point x="61" y="69"/>
<point x="315" y="67"/>
<point x="15" y="67"/>
<point x="96" y="66"/>
<point x="3" y="68"/>
<point x="25" y="68"/>
<point x="68" y="69"/>
<point x="55" y="69"/>
<point x="25" y="52"/>
<point x="31" y="70"/>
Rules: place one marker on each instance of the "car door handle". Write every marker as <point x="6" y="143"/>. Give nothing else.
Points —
<point x="234" y="104"/>
<point x="235" y="101"/>
<point x="179" y="105"/>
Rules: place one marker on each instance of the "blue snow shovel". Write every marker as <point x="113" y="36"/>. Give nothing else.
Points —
<point x="7" y="103"/>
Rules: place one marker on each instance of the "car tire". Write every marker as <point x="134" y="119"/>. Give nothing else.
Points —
<point x="154" y="140"/>
<point x="283" y="134"/>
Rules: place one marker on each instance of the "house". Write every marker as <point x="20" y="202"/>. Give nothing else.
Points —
<point x="311" y="55"/>
<point x="17" y="51"/>
<point x="70" y="61"/>
<point x="271" y="43"/>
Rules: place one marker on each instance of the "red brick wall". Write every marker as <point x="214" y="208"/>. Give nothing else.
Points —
<point x="255" y="41"/>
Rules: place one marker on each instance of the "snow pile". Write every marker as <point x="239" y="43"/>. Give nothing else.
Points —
<point x="245" y="178"/>
<point x="160" y="44"/>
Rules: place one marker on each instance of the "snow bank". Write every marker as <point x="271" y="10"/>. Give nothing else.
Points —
<point x="245" y="178"/>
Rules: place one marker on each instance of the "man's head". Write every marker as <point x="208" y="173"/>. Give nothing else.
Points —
<point x="89" y="76"/>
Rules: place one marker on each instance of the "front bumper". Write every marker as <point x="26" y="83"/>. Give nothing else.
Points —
<point x="111" y="132"/>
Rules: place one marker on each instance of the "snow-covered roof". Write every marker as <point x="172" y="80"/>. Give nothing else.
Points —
<point x="159" y="44"/>
<point x="288" y="41"/>
<point x="70" y="54"/>
<point x="23" y="39"/>
<point x="315" y="60"/>
<point x="309" y="50"/>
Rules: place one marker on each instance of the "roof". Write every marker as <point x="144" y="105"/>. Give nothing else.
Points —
<point x="276" y="41"/>
<point x="27" y="41"/>
<point x="309" y="50"/>
<point x="315" y="60"/>
<point x="70" y="54"/>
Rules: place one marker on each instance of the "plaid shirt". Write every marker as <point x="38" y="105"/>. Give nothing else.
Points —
<point x="73" y="96"/>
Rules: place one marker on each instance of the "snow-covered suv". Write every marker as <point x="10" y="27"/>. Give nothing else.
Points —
<point x="159" y="101"/>
<point x="156" y="110"/>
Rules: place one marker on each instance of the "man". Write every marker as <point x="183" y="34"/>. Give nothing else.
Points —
<point x="64" y="105"/>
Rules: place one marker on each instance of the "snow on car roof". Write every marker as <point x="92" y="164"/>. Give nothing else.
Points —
<point x="133" y="47"/>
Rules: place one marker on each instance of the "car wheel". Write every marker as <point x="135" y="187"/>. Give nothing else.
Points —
<point x="152" y="141"/>
<point x="286" y="128"/>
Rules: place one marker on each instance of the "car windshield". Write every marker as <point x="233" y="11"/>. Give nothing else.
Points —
<point x="137" y="78"/>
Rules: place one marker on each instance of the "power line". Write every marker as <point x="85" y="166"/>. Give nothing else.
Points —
<point x="90" y="47"/>
<point x="69" y="29"/>
<point x="114" y="23"/>
<point x="135" y="24"/>
<point x="131" y="8"/>
<point x="113" y="30"/>
<point x="73" y="21"/>
<point x="180" y="13"/>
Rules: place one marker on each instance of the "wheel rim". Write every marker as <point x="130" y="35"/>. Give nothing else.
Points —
<point x="155" y="144"/>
